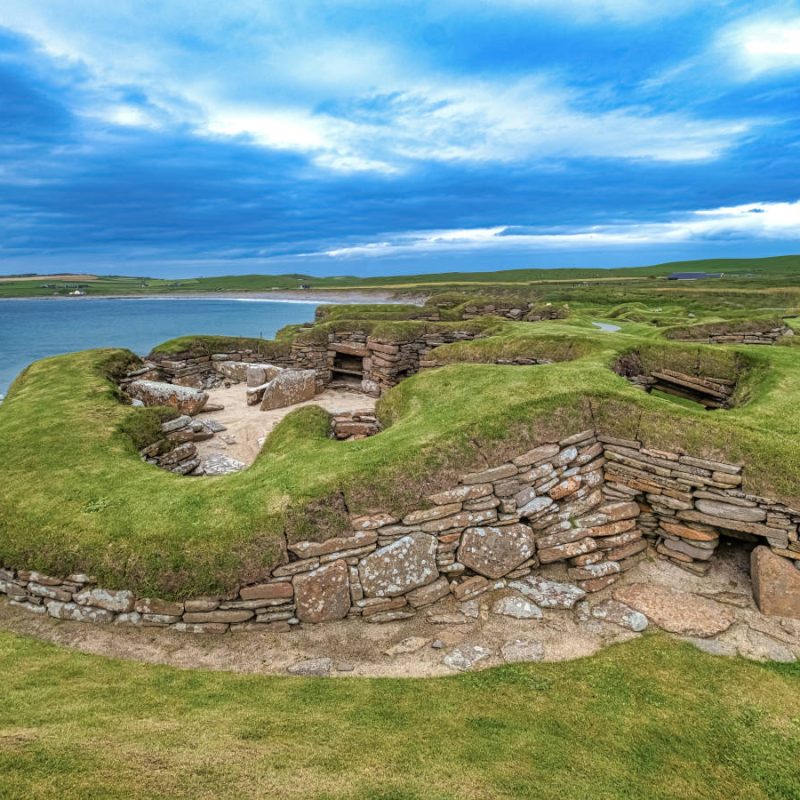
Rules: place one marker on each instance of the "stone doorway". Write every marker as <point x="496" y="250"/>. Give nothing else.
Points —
<point x="347" y="369"/>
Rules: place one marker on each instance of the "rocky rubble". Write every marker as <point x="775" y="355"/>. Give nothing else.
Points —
<point x="175" y="451"/>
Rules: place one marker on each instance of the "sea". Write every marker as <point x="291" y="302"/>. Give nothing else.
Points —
<point x="37" y="328"/>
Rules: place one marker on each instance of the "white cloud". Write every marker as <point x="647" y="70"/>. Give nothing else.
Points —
<point x="767" y="221"/>
<point x="347" y="103"/>
<point x="528" y="120"/>
<point x="759" y="45"/>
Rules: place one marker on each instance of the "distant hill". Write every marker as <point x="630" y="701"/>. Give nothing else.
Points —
<point x="783" y="269"/>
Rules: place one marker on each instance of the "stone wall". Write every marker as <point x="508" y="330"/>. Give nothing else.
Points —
<point x="589" y="501"/>
<point x="528" y="312"/>
<point x="383" y="363"/>
<point x="765" y="336"/>
<point x="687" y="503"/>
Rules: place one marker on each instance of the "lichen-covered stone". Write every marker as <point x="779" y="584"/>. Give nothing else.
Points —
<point x="620" y="614"/>
<point x="522" y="650"/>
<point x="516" y="607"/>
<point x="120" y="601"/>
<point x="426" y="595"/>
<point x="360" y="538"/>
<point x="461" y="494"/>
<point x="288" y="387"/>
<point x="155" y="393"/>
<point x="569" y="550"/>
<point x="78" y="613"/>
<point x="323" y="595"/>
<point x="399" y="567"/>
<point x="549" y="594"/>
<point x="496" y="551"/>
<point x="465" y="656"/>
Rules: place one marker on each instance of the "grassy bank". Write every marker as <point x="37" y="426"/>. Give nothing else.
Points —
<point x="653" y="719"/>
<point x="74" y="495"/>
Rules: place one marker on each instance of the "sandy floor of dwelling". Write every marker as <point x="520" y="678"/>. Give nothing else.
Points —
<point x="358" y="648"/>
<point x="248" y="426"/>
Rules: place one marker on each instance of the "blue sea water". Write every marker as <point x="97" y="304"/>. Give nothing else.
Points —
<point x="34" y="329"/>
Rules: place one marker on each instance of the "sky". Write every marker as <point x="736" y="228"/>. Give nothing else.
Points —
<point x="370" y="137"/>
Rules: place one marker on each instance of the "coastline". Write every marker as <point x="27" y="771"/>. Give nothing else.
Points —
<point x="317" y="296"/>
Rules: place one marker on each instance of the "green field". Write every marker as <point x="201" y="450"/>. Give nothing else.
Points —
<point x="652" y="719"/>
<point x="739" y="274"/>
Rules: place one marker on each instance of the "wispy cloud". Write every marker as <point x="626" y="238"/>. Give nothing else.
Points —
<point x="753" y="220"/>
<point x="351" y="104"/>
<point x="249" y="131"/>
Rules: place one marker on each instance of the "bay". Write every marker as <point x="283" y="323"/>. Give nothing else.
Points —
<point x="34" y="329"/>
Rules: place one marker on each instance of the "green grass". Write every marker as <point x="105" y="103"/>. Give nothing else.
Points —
<point x="653" y="718"/>
<point x="743" y="273"/>
<point x="74" y="495"/>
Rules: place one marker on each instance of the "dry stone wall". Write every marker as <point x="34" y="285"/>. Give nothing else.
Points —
<point x="589" y="501"/>
<point x="354" y="358"/>
<point x="765" y="336"/>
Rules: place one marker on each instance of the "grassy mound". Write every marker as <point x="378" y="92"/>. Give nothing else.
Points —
<point x="74" y="495"/>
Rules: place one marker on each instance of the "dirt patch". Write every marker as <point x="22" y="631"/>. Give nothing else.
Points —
<point x="247" y="427"/>
<point x="358" y="648"/>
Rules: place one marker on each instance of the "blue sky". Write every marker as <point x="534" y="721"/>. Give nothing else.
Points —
<point x="379" y="137"/>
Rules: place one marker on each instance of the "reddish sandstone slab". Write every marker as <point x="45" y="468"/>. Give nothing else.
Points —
<point x="675" y="611"/>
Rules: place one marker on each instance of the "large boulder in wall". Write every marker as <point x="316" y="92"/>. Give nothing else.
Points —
<point x="323" y="595"/>
<point x="495" y="551"/>
<point x="288" y="387"/>
<point x="399" y="567"/>
<point x="155" y="393"/>
<point x="776" y="583"/>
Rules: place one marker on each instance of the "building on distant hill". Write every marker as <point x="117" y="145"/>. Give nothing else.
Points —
<point x="693" y="276"/>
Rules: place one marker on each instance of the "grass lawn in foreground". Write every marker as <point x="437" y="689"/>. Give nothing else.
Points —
<point x="653" y="718"/>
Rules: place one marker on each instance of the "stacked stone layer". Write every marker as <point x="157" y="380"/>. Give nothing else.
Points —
<point x="589" y="501"/>
<point x="384" y="363"/>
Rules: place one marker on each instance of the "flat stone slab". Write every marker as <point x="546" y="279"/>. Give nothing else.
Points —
<point x="405" y="564"/>
<point x="676" y="611"/>
<point x="620" y="614"/>
<point x="219" y="464"/>
<point x="288" y="387"/>
<point x="312" y="667"/>
<point x="549" y="594"/>
<point x="464" y="657"/>
<point x="516" y="607"/>
<point x="156" y="393"/>
<point x="522" y="650"/>
<point x="410" y="645"/>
